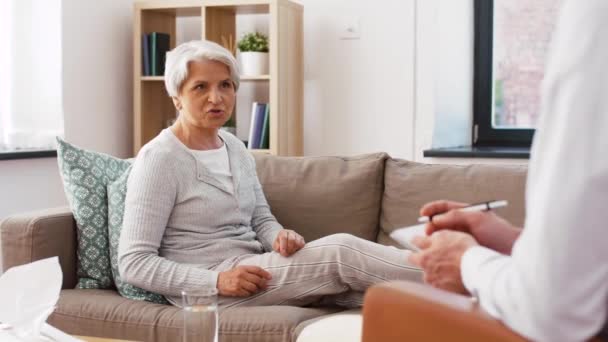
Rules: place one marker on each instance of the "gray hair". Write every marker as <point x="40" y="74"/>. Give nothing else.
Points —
<point x="176" y="66"/>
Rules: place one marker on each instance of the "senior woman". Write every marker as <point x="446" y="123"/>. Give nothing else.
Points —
<point x="196" y="217"/>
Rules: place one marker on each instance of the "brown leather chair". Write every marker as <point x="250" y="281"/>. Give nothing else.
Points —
<point x="403" y="311"/>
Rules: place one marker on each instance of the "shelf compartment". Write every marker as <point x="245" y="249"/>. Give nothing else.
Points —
<point x="152" y="78"/>
<point x="216" y="18"/>
<point x="255" y="78"/>
<point x="156" y="110"/>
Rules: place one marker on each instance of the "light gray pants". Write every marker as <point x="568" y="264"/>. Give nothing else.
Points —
<point x="336" y="269"/>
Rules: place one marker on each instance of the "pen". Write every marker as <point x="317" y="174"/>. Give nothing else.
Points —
<point x="473" y="207"/>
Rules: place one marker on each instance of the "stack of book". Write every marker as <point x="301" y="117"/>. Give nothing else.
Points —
<point x="259" y="130"/>
<point x="154" y="47"/>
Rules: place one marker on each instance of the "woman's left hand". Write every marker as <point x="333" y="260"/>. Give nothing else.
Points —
<point x="288" y="242"/>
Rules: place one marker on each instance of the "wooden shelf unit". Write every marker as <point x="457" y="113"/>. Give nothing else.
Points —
<point x="152" y="107"/>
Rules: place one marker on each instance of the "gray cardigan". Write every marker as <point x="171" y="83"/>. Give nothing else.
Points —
<point x="180" y="221"/>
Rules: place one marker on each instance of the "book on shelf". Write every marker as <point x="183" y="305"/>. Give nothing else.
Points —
<point x="145" y="54"/>
<point x="265" y="140"/>
<point x="259" y="125"/>
<point x="258" y="112"/>
<point x="159" y="47"/>
<point x="155" y="46"/>
<point x="251" y="124"/>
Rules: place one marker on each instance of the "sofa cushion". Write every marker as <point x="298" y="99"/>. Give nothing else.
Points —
<point x="85" y="176"/>
<point x="319" y="196"/>
<point x="409" y="185"/>
<point x="104" y="313"/>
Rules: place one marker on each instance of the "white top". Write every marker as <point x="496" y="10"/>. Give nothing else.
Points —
<point x="554" y="286"/>
<point x="217" y="162"/>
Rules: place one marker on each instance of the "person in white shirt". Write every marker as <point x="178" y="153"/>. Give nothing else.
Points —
<point x="549" y="281"/>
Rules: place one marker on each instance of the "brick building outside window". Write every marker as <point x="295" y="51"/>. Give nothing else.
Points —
<point x="522" y="34"/>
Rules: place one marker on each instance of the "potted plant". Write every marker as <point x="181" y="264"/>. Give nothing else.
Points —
<point x="254" y="54"/>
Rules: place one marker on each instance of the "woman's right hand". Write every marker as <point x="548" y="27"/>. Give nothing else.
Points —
<point x="242" y="281"/>
<point x="486" y="227"/>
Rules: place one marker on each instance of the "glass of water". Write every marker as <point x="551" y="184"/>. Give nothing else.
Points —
<point x="201" y="320"/>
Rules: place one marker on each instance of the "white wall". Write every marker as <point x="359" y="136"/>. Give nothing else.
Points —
<point x="29" y="184"/>
<point x="359" y="94"/>
<point x="444" y="75"/>
<point x="97" y="76"/>
<point x="453" y="73"/>
<point x="97" y="88"/>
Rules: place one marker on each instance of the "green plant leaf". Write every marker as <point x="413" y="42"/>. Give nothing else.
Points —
<point x="253" y="42"/>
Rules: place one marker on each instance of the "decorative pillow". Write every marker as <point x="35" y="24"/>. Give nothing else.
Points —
<point x="85" y="178"/>
<point x="117" y="191"/>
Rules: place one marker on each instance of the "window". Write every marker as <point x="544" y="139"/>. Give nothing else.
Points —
<point x="511" y="45"/>
<point x="31" y="112"/>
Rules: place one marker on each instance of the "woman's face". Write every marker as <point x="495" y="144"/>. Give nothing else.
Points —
<point x="206" y="98"/>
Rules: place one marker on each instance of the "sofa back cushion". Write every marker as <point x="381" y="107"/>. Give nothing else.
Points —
<point x="85" y="175"/>
<point x="409" y="185"/>
<point x="319" y="196"/>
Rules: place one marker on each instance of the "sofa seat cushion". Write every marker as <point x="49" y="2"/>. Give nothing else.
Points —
<point x="319" y="196"/>
<point x="409" y="185"/>
<point x="104" y="313"/>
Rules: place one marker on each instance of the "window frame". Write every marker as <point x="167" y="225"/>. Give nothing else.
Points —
<point x="483" y="100"/>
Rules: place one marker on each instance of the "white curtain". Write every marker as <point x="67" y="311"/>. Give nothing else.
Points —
<point x="31" y="112"/>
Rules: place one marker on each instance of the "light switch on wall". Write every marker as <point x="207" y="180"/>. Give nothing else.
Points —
<point x="350" y="28"/>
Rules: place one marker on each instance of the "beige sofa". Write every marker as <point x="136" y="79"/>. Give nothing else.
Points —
<point x="368" y="196"/>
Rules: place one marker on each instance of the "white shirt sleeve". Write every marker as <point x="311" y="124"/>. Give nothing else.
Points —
<point x="554" y="286"/>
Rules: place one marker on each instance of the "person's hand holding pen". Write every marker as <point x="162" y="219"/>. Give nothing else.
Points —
<point x="488" y="229"/>
<point x="453" y="228"/>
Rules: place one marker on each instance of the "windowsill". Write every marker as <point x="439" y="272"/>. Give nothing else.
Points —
<point x="6" y="154"/>
<point x="479" y="152"/>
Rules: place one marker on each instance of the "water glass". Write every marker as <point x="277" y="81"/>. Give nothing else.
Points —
<point x="201" y="319"/>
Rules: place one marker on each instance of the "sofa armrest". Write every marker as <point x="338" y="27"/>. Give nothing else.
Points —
<point x="38" y="235"/>
<point x="404" y="311"/>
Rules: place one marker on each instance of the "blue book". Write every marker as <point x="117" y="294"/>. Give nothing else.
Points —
<point x="265" y="140"/>
<point x="153" y="53"/>
<point x="159" y="45"/>
<point x="258" y="125"/>
<point x="145" y="54"/>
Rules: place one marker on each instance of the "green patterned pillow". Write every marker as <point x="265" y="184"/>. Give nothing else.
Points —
<point x="86" y="176"/>
<point x="117" y="191"/>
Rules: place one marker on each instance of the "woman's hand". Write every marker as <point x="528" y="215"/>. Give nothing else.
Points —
<point x="242" y="281"/>
<point x="288" y="242"/>
<point x="487" y="228"/>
